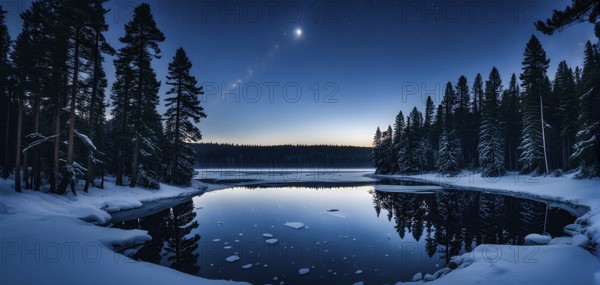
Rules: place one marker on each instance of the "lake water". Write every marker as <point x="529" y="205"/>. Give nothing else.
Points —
<point x="350" y="233"/>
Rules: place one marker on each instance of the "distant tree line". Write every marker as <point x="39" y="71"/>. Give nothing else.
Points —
<point x="54" y="129"/>
<point x="534" y="126"/>
<point x="212" y="155"/>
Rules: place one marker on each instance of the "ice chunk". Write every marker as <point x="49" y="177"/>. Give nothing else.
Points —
<point x="358" y="272"/>
<point x="232" y="258"/>
<point x="217" y="240"/>
<point x="266" y="235"/>
<point x="247" y="266"/>
<point x="295" y="225"/>
<point x="303" y="271"/>
<point x="272" y="241"/>
<point x="358" y="283"/>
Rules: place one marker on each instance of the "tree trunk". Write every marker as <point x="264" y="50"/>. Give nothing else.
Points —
<point x="121" y="159"/>
<point x="136" y="147"/>
<point x="6" y="140"/>
<point x="36" y="152"/>
<point x="176" y="136"/>
<point x="18" y="148"/>
<point x="92" y="117"/>
<point x="72" y="112"/>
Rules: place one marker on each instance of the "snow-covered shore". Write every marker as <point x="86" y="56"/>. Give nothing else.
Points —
<point x="52" y="239"/>
<point x="551" y="264"/>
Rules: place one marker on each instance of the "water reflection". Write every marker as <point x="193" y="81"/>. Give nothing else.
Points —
<point x="370" y="236"/>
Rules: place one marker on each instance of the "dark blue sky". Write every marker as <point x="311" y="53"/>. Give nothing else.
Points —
<point x="368" y="59"/>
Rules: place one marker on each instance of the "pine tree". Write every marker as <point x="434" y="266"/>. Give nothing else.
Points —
<point x="536" y="87"/>
<point x="183" y="112"/>
<point x="141" y="45"/>
<point x="428" y="134"/>
<point x="510" y="114"/>
<point x="491" y="145"/>
<point x="579" y="11"/>
<point x="565" y="90"/>
<point x="376" y="154"/>
<point x="6" y="98"/>
<point x="411" y="154"/>
<point x="96" y="84"/>
<point x="461" y="117"/>
<point x="180" y="244"/>
<point x="586" y="152"/>
<point x="449" y="156"/>
<point x="475" y="115"/>
<point x="399" y="127"/>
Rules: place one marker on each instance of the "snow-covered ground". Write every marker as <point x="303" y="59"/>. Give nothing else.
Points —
<point x="45" y="240"/>
<point x="557" y="263"/>
<point x="52" y="239"/>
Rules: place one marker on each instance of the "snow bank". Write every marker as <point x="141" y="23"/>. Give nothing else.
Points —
<point x="406" y="188"/>
<point x="53" y="239"/>
<point x="563" y="261"/>
<point x="506" y="264"/>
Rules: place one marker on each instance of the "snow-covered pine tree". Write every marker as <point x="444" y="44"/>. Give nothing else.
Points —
<point x="183" y="112"/>
<point x="586" y="152"/>
<point x="140" y="46"/>
<point x="449" y="156"/>
<point x="477" y="93"/>
<point x="535" y="83"/>
<point x="491" y="138"/>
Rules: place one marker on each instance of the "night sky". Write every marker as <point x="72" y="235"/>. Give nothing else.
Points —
<point x="369" y="54"/>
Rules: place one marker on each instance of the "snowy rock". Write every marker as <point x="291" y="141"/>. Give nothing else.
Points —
<point x="265" y="235"/>
<point x="428" y="277"/>
<point x="295" y="225"/>
<point x="332" y="210"/>
<point x="303" y="271"/>
<point x="247" y="266"/>
<point x="573" y="229"/>
<point x="455" y="261"/>
<point x="272" y="241"/>
<point x="561" y="241"/>
<point x="441" y="272"/>
<point x="537" y="239"/>
<point x="580" y="240"/>
<point x="232" y="258"/>
<point x="417" y="277"/>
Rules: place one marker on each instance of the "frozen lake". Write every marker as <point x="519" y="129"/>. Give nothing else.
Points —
<point x="335" y="234"/>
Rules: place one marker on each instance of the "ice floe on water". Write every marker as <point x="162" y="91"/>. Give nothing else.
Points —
<point x="272" y="241"/>
<point x="247" y="266"/>
<point x="232" y="258"/>
<point x="295" y="225"/>
<point x="303" y="271"/>
<point x="267" y="235"/>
